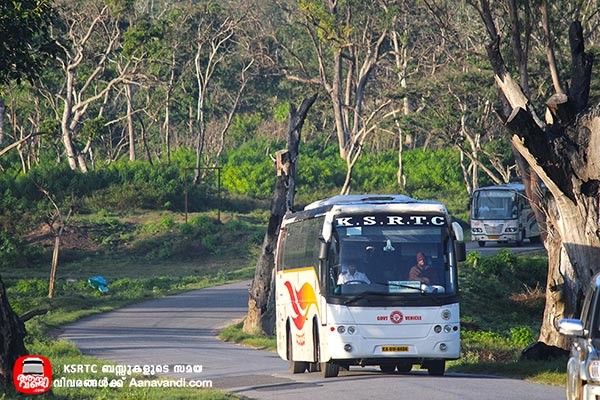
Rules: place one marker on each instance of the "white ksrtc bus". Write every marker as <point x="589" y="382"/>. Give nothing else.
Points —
<point x="383" y="317"/>
<point x="502" y="214"/>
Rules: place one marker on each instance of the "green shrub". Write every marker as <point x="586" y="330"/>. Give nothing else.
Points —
<point x="522" y="336"/>
<point x="485" y="346"/>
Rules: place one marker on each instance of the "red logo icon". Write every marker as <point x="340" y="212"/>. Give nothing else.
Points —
<point x="32" y="374"/>
<point x="396" y="317"/>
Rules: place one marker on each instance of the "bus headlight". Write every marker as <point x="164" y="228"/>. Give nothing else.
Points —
<point x="446" y="314"/>
<point x="447" y="328"/>
<point x="437" y="328"/>
<point x="476" y="230"/>
<point x="443" y="347"/>
<point x="341" y="329"/>
<point x="594" y="370"/>
<point x="511" y="229"/>
<point x="351" y="330"/>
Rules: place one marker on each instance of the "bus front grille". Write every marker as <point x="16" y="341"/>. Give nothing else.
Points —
<point x="493" y="229"/>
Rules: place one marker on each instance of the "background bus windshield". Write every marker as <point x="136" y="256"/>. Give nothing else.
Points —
<point x="495" y="204"/>
<point x="383" y="257"/>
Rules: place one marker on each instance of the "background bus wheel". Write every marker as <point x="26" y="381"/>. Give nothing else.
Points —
<point x="296" y="367"/>
<point x="388" y="368"/>
<point x="520" y="239"/>
<point x="481" y="243"/>
<point x="404" y="368"/>
<point x="330" y="370"/>
<point x="436" y="367"/>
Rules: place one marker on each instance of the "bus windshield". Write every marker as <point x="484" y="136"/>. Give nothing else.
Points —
<point x="392" y="260"/>
<point x="494" y="204"/>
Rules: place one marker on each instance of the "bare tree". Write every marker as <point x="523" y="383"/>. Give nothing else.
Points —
<point x="347" y="46"/>
<point x="57" y="222"/>
<point x="91" y="39"/>
<point x="214" y="43"/>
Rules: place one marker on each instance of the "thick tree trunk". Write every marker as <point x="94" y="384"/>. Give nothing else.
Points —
<point x="258" y="297"/>
<point x="564" y="155"/>
<point x="261" y="315"/>
<point x="12" y="332"/>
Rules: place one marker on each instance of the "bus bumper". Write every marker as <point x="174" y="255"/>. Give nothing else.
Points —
<point x="442" y="346"/>
<point x="495" y="238"/>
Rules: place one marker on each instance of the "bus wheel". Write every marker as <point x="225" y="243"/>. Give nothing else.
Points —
<point x="481" y="243"/>
<point x="330" y="370"/>
<point x="387" y="368"/>
<point x="316" y="365"/>
<point x="520" y="239"/>
<point x="296" y="367"/>
<point x="404" y="367"/>
<point x="436" y="367"/>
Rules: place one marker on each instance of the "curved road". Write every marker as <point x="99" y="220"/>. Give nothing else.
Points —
<point x="181" y="330"/>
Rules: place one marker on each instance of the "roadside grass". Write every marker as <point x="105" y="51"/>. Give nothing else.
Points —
<point x="235" y="334"/>
<point x="193" y="255"/>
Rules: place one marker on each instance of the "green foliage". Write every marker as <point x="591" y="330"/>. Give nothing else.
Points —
<point x="502" y="290"/>
<point x="485" y="346"/>
<point x="14" y="253"/>
<point x="282" y="112"/>
<point x="433" y="174"/>
<point x="249" y="170"/>
<point x="94" y="128"/>
<point x="25" y="38"/>
<point x="522" y="336"/>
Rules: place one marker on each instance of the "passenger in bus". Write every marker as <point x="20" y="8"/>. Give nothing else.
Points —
<point x="423" y="271"/>
<point x="352" y="275"/>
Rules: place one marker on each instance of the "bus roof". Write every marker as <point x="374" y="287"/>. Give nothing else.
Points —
<point x="362" y="199"/>
<point x="371" y="202"/>
<point x="356" y="199"/>
<point x="519" y="187"/>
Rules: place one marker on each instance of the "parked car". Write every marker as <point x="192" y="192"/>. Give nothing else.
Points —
<point x="583" y="367"/>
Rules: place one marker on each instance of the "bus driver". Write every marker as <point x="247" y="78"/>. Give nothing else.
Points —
<point x="352" y="275"/>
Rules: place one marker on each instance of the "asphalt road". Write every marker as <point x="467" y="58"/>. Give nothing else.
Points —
<point x="181" y="330"/>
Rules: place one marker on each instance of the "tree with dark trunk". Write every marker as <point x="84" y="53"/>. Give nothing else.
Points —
<point x="12" y="332"/>
<point x="261" y="315"/>
<point x="27" y="47"/>
<point x="562" y="152"/>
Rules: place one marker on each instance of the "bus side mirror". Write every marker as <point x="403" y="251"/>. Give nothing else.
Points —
<point x="323" y="249"/>
<point x="458" y="231"/>
<point x="461" y="251"/>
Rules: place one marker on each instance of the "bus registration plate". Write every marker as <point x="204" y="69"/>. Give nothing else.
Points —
<point x="394" y="349"/>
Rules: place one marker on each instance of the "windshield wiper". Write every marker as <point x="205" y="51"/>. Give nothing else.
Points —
<point x="363" y="295"/>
